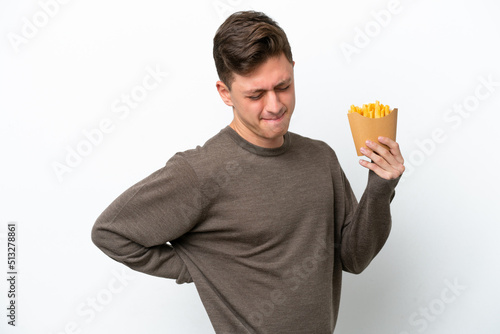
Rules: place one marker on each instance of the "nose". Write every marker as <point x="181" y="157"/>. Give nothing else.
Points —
<point x="273" y="103"/>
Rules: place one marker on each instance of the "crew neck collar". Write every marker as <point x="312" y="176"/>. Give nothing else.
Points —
<point x="258" y="150"/>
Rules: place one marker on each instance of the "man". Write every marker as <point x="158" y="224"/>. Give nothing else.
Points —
<point x="262" y="220"/>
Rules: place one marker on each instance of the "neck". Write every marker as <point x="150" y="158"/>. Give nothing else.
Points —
<point x="254" y="139"/>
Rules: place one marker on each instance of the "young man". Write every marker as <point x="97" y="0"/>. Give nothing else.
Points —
<point x="262" y="220"/>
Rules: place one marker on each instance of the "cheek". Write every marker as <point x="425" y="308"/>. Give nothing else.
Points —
<point x="250" y="109"/>
<point x="289" y="99"/>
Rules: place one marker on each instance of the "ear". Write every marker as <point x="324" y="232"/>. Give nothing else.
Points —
<point x="224" y="93"/>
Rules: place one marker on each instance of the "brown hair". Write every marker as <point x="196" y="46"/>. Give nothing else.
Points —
<point x="246" y="40"/>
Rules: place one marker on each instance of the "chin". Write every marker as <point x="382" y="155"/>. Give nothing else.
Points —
<point x="277" y="133"/>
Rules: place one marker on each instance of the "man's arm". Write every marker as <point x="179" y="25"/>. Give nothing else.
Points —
<point x="368" y="223"/>
<point x="135" y="228"/>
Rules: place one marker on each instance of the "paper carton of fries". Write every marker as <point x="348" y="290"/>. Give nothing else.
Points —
<point x="371" y="121"/>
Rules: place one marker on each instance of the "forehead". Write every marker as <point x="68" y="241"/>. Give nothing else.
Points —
<point x="274" y="71"/>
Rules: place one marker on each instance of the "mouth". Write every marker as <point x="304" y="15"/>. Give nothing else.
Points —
<point x="275" y="119"/>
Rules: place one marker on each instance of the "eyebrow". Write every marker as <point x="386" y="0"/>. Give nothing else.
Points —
<point x="259" y="90"/>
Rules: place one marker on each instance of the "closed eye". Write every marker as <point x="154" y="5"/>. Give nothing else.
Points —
<point x="282" y="89"/>
<point x="256" y="97"/>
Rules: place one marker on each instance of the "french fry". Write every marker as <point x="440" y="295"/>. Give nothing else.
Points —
<point x="371" y="110"/>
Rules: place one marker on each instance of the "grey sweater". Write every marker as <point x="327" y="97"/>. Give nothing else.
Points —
<point x="263" y="233"/>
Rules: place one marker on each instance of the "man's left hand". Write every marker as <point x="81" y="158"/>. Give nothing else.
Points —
<point x="386" y="163"/>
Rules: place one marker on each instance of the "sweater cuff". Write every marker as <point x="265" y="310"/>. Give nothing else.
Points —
<point x="381" y="186"/>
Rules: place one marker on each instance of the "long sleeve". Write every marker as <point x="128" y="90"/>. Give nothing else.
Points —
<point x="367" y="224"/>
<point x="136" y="228"/>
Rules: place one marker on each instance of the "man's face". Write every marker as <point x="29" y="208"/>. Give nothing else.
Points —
<point x="263" y="102"/>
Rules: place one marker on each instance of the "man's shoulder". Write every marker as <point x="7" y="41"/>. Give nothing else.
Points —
<point x="304" y="142"/>
<point x="208" y="155"/>
<point x="213" y="147"/>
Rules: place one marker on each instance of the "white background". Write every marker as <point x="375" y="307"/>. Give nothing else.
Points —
<point x="63" y="78"/>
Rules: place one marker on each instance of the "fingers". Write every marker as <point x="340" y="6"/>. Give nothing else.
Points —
<point x="393" y="147"/>
<point x="378" y="170"/>
<point x="387" y="163"/>
<point x="379" y="164"/>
